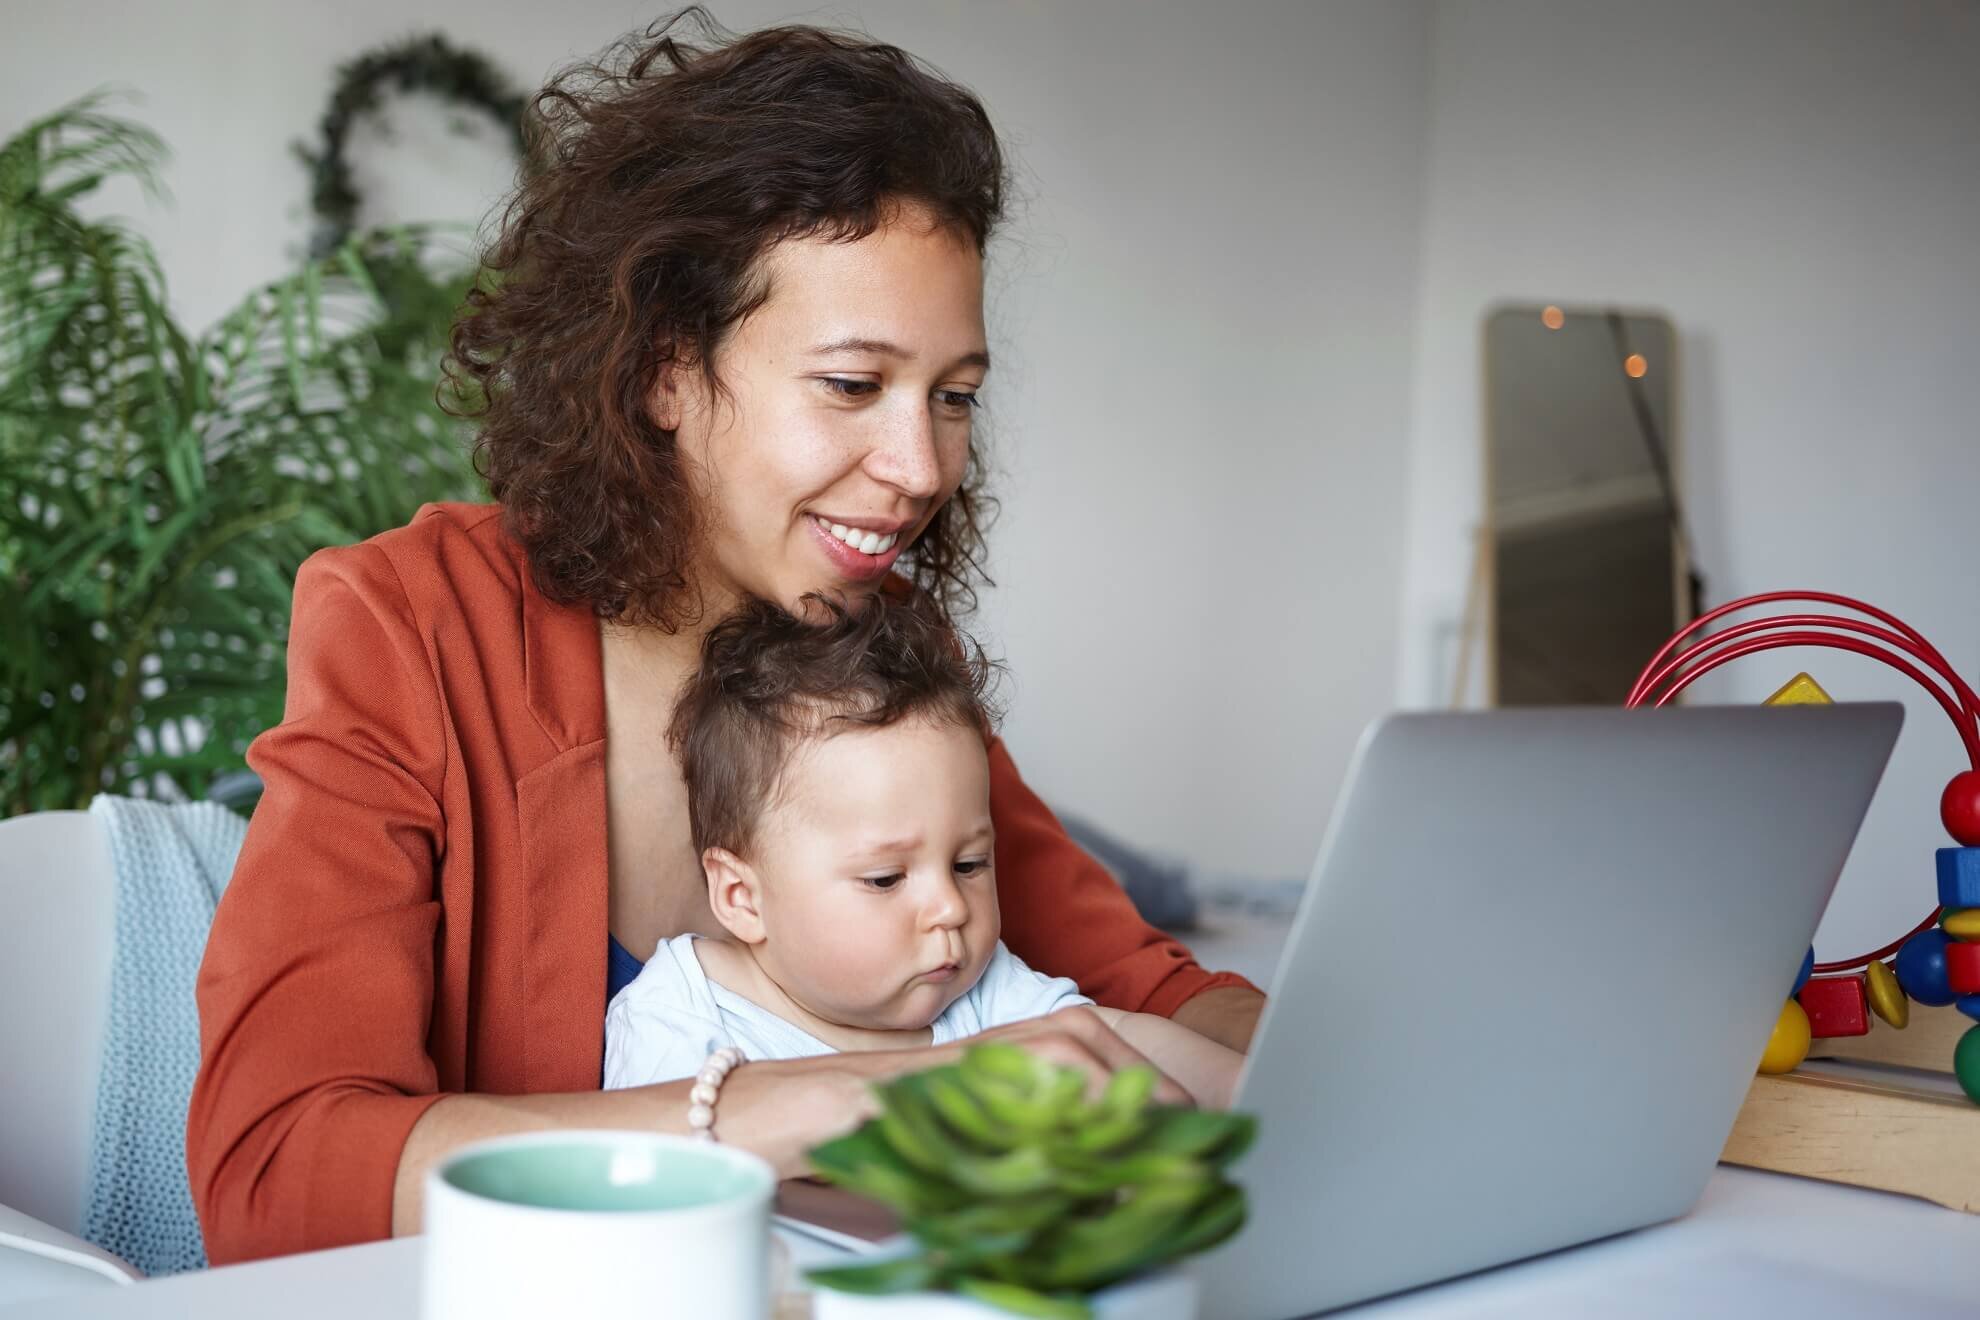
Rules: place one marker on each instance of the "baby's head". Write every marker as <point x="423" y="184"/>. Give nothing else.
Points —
<point x="839" y="791"/>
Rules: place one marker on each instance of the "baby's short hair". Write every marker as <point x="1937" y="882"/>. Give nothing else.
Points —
<point x="770" y="679"/>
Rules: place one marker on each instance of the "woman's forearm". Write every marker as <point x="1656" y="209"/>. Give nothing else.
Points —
<point x="459" y="1119"/>
<point x="1204" y="1068"/>
<point x="1227" y="1014"/>
<point x="776" y="1110"/>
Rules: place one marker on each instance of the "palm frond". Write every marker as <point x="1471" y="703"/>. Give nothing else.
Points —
<point x="158" y="490"/>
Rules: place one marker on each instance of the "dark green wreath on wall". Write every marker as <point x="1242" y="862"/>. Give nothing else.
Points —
<point x="424" y="64"/>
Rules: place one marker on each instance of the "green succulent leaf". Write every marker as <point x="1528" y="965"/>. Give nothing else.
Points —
<point x="878" y="1278"/>
<point x="961" y="1109"/>
<point x="1021" y="1172"/>
<point x="914" y="1128"/>
<point x="1214" y="1222"/>
<point x="1099" y="1177"/>
<point x="1216" y="1137"/>
<point x="862" y="1161"/>
<point x="1090" y="1253"/>
<point x="989" y="1228"/>
<point x="1129" y="1090"/>
<point x="1002" y="1062"/>
<point x="1105" y="1131"/>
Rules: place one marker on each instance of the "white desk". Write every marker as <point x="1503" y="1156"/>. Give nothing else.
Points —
<point x="1757" y="1245"/>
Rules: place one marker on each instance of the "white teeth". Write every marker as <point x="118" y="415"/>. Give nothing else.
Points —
<point x="870" y="543"/>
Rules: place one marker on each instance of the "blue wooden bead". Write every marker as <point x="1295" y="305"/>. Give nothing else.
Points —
<point x="1921" y="968"/>
<point x="1959" y="877"/>
<point x="1807" y="970"/>
<point x="1969" y="1005"/>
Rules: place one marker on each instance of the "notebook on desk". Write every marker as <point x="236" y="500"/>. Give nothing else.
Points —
<point x="836" y="1217"/>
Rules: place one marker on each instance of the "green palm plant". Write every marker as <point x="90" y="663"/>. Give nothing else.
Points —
<point x="159" y="489"/>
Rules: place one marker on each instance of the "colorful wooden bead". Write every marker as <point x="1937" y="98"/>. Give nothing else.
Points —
<point x="1961" y="923"/>
<point x="1963" y="967"/>
<point x="1959" y="877"/>
<point x="1788" y="1046"/>
<point x="1959" y="807"/>
<point x="1921" y="968"/>
<point x="1836" y="1006"/>
<point x="1966" y="1063"/>
<point x="1969" y="1005"/>
<point x="1801" y="690"/>
<point x="1807" y="970"/>
<point x="1886" y="996"/>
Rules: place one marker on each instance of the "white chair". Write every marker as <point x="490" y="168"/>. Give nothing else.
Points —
<point x="57" y="907"/>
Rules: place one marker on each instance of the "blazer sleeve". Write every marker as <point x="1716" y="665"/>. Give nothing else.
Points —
<point x="317" y="987"/>
<point x="1065" y="914"/>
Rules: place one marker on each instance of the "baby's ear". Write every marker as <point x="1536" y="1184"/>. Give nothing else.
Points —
<point x="734" y="893"/>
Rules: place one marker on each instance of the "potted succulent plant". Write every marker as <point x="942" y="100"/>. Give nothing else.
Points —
<point x="1023" y="1196"/>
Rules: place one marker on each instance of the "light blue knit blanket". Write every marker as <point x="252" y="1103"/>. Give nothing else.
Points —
<point x="172" y="861"/>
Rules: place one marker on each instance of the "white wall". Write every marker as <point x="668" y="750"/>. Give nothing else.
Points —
<point x="1797" y="183"/>
<point x="1201" y="560"/>
<point x="1237" y="327"/>
<point x="1202" y="321"/>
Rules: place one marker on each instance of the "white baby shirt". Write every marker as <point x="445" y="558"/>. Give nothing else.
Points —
<point x="665" y="1024"/>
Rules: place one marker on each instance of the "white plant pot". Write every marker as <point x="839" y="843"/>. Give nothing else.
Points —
<point x="1163" y="1295"/>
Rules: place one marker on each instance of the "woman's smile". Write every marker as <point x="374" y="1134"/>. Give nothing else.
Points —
<point x="858" y="554"/>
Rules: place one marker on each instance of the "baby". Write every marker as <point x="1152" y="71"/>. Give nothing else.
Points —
<point x="839" y="793"/>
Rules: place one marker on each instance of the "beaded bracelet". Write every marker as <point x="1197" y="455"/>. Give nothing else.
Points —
<point x="707" y="1088"/>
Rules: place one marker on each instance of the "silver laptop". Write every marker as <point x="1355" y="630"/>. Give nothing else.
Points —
<point x="1528" y="984"/>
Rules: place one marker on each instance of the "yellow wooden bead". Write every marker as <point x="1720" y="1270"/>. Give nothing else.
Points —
<point x="1788" y="1046"/>
<point x="1963" y="924"/>
<point x="1801" y="690"/>
<point x="1887" y="997"/>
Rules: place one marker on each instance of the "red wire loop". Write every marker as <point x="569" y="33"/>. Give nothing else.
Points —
<point x="1961" y="704"/>
<point x="1962" y="715"/>
<point x="1969" y="736"/>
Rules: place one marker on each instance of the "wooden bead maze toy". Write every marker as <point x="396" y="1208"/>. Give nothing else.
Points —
<point x="1877" y="1108"/>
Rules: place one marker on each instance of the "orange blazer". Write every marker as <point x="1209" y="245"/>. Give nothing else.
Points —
<point x="420" y="905"/>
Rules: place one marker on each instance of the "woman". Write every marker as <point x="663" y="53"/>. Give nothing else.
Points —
<point x="734" y="348"/>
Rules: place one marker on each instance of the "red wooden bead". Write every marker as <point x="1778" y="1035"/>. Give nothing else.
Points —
<point x="1963" y="968"/>
<point x="1836" y="1006"/>
<point x="1959" y="808"/>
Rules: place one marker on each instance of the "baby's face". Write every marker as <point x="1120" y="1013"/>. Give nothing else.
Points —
<point x="879" y="897"/>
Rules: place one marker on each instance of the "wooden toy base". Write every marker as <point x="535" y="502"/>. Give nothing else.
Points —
<point x="1879" y="1111"/>
<point x="1926" y="1043"/>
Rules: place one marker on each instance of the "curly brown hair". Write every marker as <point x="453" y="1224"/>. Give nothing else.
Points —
<point x="770" y="679"/>
<point x="659" y="175"/>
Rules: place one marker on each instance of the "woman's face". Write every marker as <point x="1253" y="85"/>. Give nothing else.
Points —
<point x="846" y="419"/>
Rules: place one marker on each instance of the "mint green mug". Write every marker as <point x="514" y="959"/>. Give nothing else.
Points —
<point x="594" y="1222"/>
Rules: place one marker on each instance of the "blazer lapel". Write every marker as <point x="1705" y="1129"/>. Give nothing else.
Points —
<point x="561" y="821"/>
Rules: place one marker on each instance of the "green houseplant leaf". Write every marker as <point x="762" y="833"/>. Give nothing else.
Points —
<point x="159" y="489"/>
